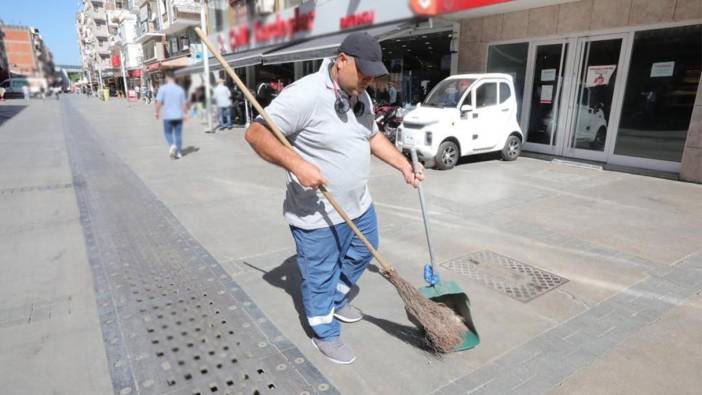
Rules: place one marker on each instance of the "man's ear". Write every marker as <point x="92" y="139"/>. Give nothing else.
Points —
<point x="341" y="60"/>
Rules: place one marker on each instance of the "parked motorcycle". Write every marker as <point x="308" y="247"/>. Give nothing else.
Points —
<point x="389" y="118"/>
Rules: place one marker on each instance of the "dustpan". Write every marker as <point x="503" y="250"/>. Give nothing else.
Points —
<point x="449" y="292"/>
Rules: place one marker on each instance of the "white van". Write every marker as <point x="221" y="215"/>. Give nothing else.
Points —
<point x="13" y="86"/>
<point x="464" y="115"/>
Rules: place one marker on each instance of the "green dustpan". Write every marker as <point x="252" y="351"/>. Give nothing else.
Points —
<point x="448" y="293"/>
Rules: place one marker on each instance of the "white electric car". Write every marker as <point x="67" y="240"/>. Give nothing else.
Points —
<point x="464" y="115"/>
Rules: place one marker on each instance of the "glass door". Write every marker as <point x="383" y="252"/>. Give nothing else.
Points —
<point x="596" y="90"/>
<point x="543" y="105"/>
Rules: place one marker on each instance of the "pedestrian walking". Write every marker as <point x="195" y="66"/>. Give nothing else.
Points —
<point x="172" y="107"/>
<point x="223" y="101"/>
<point x="331" y="118"/>
<point x="25" y="92"/>
<point x="2" y="93"/>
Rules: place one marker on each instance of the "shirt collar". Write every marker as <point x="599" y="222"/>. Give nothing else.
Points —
<point x="326" y="75"/>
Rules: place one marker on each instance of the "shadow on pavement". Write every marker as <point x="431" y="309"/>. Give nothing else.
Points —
<point x="9" y="111"/>
<point x="189" y="150"/>
<point x="408" y="334"/>
<point x="287" y="277"/>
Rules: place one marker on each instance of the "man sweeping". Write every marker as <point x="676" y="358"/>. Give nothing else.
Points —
<point x="328" y="117"/>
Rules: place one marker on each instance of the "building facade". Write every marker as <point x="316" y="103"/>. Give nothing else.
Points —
<point x="94" y="40"/>
<point x="24" y="54"/>
<point x="610" y="81"/>
<point x="165" y="33"/>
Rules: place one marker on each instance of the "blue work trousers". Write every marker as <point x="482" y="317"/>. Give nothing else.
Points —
<point x="331" y="260"/>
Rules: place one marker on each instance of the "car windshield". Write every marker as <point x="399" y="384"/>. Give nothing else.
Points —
<point x="448" y="92"/>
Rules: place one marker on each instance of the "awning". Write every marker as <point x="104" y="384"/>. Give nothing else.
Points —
<point x="235" y="60"/>
<point x="175" y="63"/>
<point x="326" y="46"/>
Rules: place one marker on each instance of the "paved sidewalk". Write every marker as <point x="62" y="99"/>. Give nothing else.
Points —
<point x="623" y="253"/>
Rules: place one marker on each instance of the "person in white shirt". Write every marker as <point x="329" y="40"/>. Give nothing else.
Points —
<point x="223" y="101"/>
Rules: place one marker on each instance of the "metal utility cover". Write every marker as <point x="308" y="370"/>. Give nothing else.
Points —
<point x="504" y="274"/>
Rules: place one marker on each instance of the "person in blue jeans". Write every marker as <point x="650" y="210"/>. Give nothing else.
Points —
<point x="223" y="99"/>
<point x="172" y="107"/>
<point x="328" y="118"/>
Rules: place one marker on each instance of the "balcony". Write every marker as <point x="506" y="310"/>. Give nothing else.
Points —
<point x="183" y="14"/>
<point x="136" y="3"/>
<point x="103" y="50"/>
<point x="147" y="30"/>
<point x="155" y="53"/>
<point x="101" y="31"/>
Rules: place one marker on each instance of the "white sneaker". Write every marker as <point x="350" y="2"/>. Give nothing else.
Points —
<point x="335" y="350"/>
<point x="178" y="155"/>
<point x="172" y="152"/>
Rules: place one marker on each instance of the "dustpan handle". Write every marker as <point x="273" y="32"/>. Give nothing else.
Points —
<point x="422" y="204"/>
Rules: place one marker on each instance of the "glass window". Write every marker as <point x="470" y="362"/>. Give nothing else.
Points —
<point x="505" y="92"/>
<point x="219" y="20"/>
<point x="173" y="45"/>
<point x="598" y="77"/>
<point x="448" y="92"/>
<point x="486" y="95"/>
<point x="468" y="101"/>
<point x="510" y="59"/>
<point x="660" y="93"/>
<point x="545" y="96"/>
<point x="184" y="43"/>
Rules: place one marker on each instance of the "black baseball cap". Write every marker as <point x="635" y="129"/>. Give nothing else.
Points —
<point x="367" y="52"/>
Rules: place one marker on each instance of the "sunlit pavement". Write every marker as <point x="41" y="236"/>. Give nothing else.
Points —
<point x="581" y="280"/>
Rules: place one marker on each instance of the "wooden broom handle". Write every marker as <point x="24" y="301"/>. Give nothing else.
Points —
<point x="387" y="267"/>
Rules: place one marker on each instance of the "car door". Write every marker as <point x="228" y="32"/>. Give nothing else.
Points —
<point x="486" y="117"/>
<point x="462" y="127"/>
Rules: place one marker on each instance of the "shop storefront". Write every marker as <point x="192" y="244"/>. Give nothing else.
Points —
<point x="417" y="55"/>
<point x="621" y="93"/>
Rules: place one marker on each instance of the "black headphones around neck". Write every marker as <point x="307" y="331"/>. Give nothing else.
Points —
<point x="341" y="104"/>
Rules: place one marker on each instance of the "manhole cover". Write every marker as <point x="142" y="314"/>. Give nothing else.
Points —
<point x="509" y="276"/>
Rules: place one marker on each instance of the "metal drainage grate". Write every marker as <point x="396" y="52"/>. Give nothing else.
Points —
<point x="173" y="321"/>
<point x="511" y="277"/>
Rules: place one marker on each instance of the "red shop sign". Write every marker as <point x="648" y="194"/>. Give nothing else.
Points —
<point x="116" y="62"/>
<point x="438" y="7"/>
<point x="134" y="73"/>
<point x="278" y="29"/>
<point x="358" y="19"/>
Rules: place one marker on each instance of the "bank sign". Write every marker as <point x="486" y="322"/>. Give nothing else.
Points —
<point x="309" y="20"/>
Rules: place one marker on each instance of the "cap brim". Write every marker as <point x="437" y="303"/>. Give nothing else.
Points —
<point x="370" y="68"/>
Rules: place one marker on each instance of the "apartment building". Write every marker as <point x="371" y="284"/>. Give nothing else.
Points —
<point x="94" y="41"/>
<point x="24" y="54"/>
<point x="126" y="52"/>
<point x="165" y="33"/>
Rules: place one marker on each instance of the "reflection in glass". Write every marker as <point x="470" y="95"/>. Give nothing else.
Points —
<point x="510" y="59"/>
<point x="660" y="93"/>
<point x="545" y="98"/>
<point x="595" y="92"/>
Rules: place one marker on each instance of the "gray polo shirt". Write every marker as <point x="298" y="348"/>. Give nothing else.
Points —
<point x="339" y="145"/>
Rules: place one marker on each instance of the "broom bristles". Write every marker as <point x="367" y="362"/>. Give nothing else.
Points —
<point x="443" y="328"/>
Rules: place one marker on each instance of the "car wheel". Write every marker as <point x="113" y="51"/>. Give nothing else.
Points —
<point x="512" y="149"/>
<point x="600" y="138"/>
<point x="447" y="155"/>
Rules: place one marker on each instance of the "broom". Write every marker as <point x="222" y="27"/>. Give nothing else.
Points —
<point x="442" y="327"/>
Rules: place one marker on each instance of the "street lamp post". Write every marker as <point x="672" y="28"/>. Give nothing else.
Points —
<point x="124" y="74"/>
<point x="206" y="63"/>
